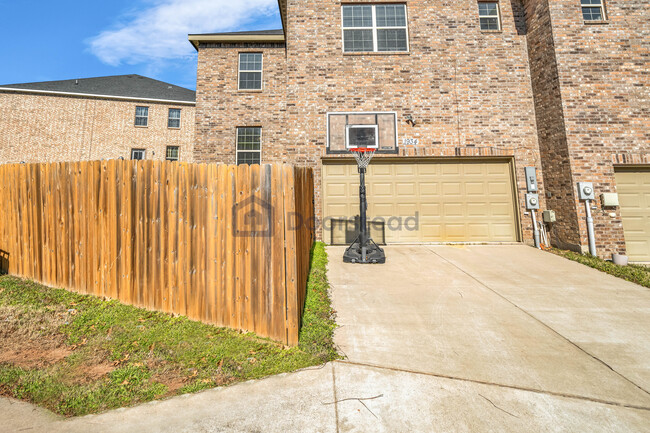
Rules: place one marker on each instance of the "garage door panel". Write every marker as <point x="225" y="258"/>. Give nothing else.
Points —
<point x="451" y="189"/>
<point x="457" y="202"/>
<point x="634" y="197"/>
<point x="382" y="189"/>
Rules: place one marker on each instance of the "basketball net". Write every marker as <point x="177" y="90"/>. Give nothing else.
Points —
<point x="363" y="155"/>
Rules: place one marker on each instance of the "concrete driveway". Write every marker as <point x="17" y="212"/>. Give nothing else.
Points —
<point x="440" y="338"/>
<point x="506" y="318"/>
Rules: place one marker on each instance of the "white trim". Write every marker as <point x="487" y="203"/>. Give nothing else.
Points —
<point x="603" y="12"/>
<point x="239" y="71"/>
<point x="347" y="135"/>
<point x="498" y="16"/>
<point x="248" y="151"/>
<point x="180" y="118"/>
<point x="329" y="113"/>
<point x="92" y="95"/>
<point x="374" y="28"/>
<point x="138" y="149"/>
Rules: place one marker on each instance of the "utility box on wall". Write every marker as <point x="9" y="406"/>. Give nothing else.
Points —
<point x="609" y="199"/>
<point x="549" y="216"/>
<point x="586" y="191"/>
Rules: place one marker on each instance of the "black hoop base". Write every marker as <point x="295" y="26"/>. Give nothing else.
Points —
<point x="370" y="253"/>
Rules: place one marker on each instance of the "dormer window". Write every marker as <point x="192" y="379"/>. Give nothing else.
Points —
<point x="374" y="28"/>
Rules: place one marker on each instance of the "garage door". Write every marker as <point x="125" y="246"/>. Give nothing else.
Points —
<point x="451" y="201"/>
<point x="634" y="197"/>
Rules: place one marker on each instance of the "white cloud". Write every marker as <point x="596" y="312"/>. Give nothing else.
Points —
<point x="160" y="32"/>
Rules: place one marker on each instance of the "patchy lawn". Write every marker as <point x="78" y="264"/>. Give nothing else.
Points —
<point x="78" y="354"/>
<point x="635" y="273"/>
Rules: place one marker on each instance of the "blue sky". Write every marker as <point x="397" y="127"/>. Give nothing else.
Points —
<point x="47" y="40"/>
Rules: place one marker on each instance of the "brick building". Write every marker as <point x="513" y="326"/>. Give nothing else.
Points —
<point x="458" y="97"/>
<point x="127" y="116"/>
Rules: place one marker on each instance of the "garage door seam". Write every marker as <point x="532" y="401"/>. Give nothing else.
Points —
<point x="538" y="320"/>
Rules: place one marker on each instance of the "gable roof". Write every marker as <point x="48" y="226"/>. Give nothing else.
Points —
<point x="132" y="86"/>
<point x="251" y="37"/>
<point x="276" y="35"/>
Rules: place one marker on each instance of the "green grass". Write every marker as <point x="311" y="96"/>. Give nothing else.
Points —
<point x="116" y="355"/>
<point x="635" y="273"/>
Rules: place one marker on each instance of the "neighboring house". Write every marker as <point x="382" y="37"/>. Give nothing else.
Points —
<point x="459" y="97"/>
<point x="125" y="116"/>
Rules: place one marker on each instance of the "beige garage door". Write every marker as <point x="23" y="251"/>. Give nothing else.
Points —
<point x="634" y="197"/>
<point x="453" y="202"/>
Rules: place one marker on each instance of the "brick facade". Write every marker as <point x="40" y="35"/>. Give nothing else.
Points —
<point x="547" y="90"/>
<point x="54" y="128"/>
<point x="469" y="91"/>
<point x="592" y="94"/>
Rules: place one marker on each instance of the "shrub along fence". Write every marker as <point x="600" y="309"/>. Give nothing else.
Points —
<point x="223" y="244"/>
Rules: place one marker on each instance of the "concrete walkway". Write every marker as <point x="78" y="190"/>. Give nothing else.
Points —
<point x="441" y="338"/>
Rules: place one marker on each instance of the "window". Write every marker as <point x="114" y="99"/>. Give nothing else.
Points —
<point x="174" y="119"/>
<point x="374" y="28"/>
<point x="141" y="116"/>
<point x="249" y="145"/>
<point x="172" y="153"/>
<point x="362" y="136"/>
<point x="250" y="71"/>
<point x="137" y="154"/>
<point x="593" y="10"/>
<point x="488" y="13"/>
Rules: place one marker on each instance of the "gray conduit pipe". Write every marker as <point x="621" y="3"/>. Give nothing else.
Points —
<point x="590" y="229"/>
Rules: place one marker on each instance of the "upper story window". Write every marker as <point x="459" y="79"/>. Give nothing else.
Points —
<point x="249" y="145"/>
<point x="593" y="10"/>
<point x="489" y="17"/>
<point x="141" y="116"/>
<point x="174" y="119"/>
<point x="374" y="28"/>
<point x="250" y="71"/>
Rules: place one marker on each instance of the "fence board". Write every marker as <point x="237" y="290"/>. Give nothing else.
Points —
<point x="227" y="245"/>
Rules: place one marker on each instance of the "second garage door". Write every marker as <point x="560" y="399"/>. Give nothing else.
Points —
<point x="453" y="201"/>
<point x="634" y="194"/>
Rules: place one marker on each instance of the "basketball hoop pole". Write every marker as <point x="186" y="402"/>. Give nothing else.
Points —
<point x="363" y="249"/>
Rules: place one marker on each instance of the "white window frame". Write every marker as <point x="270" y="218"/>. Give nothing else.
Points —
<point x="247" y="151"/>
<point x="603" y="11"/>
<point x="374" y="28"/>
<point x="239" y="71"/>
<point x="498" y="16"/>
<point x="178" y="156"/>
<point x="347" y="135"/>
<point x="180" y="117"/>
<point x="136" y="116"/>
<point x="139" y="149"/>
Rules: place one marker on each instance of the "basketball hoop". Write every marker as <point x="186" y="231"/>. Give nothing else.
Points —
<point x="363" y="155"/>
<point x="363" y="249"/>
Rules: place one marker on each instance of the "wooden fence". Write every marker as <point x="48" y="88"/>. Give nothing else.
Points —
<point x="223" y="244"/>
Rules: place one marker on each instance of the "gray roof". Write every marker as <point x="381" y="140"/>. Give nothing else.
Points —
<point x="129" y="86"/>
<point x="253" y="33"/>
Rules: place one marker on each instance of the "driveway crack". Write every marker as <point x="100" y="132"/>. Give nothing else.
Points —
<point x="577" y="346"/>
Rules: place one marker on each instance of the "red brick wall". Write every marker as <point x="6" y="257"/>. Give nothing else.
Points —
<point x="602" y="78"/>
<point x="469" y="91"/>
<point x="44" y="128"/>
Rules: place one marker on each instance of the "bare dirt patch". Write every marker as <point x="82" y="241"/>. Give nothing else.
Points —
<point x="32" y="354"/>
<point x="31" y="340"/>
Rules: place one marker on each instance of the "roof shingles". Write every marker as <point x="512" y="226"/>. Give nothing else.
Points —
<point x="126" y="86"/>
